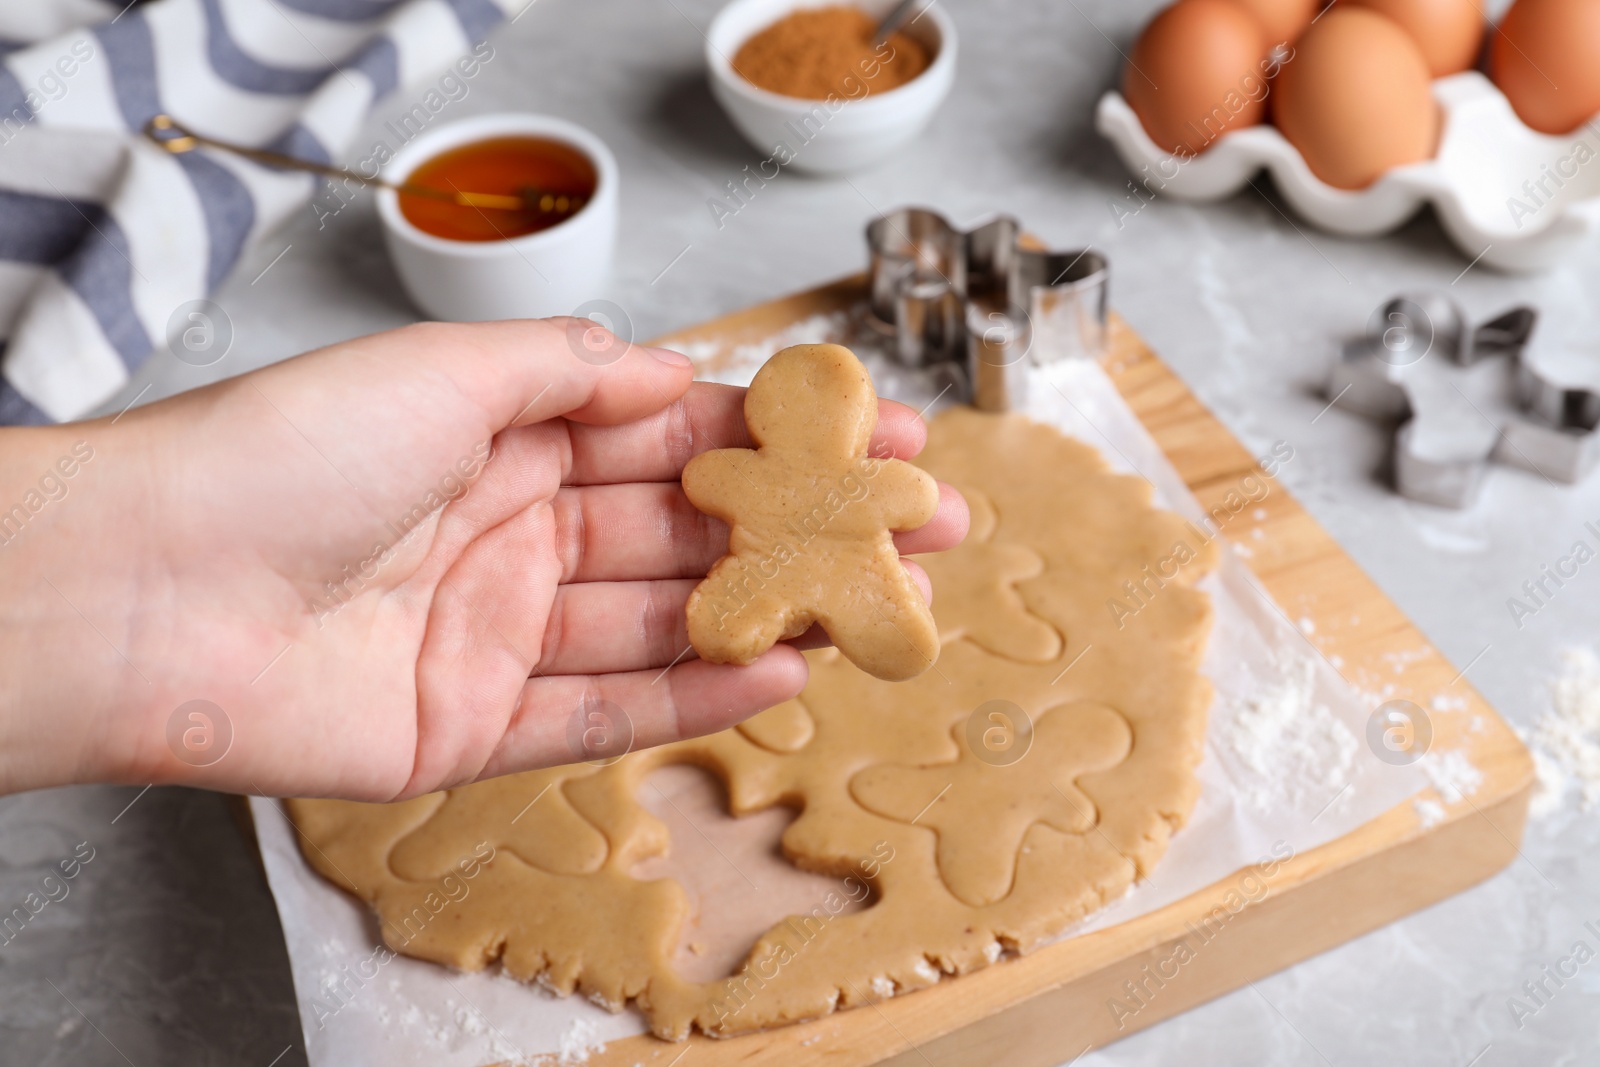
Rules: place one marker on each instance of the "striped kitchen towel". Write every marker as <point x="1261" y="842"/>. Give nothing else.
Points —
<point x="104" y="237"/>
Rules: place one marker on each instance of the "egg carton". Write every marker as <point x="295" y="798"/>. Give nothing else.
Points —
<point x="1508" y="196"/>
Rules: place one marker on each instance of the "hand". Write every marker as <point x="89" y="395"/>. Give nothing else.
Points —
<point x="395" y="565"/>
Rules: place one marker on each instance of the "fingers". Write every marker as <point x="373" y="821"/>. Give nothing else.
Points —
<point x="606" y="627"/>
<point x="529" y="370"/>
<point x="946" y="530"/>
<point x="655" y="448"/>
<point x="525" y="371"/>
<point x="529" y="462"/>
<point x="920" y="577"/>
<point x="621" y="533"/>
<point x="689" y="700"/>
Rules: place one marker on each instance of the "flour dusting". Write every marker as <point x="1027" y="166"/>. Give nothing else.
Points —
<point x="1291" y="743"/>
<point x="830" y="326"/>
<point x="579" y="1042"/>
<point x="1452" y="774"/>
<point x="1430" y="812"/>
<point x="1566" y="740"/>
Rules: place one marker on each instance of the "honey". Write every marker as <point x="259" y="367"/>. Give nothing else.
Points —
<point x="561" y="180"/>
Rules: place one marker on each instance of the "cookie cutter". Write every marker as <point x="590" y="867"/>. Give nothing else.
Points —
<point x="1551" y="428"/>
<point x="981" y="304"/>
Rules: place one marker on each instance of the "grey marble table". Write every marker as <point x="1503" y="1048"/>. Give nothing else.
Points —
<point x="167" y="949"/>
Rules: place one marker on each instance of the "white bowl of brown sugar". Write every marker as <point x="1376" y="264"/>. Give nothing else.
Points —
<point x="806" y="85"/>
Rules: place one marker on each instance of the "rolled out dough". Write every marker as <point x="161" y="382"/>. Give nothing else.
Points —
<point x="1071" y="609"/>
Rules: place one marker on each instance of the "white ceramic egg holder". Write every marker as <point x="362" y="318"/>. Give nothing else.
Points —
<point x="1508" y="196"/>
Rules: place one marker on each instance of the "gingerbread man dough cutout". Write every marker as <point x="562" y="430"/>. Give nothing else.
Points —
<point x="812" y="519"/>
<point x="982" y="812"/>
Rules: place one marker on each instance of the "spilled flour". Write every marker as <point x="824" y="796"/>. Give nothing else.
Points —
<point x="824" y="326"/>
<point x="581" y="1039"/>
<point x="1429" y="812"/>
<point x="1566" y="740"/>
<point x="1452" y="774"/>
<point x="1290" y="744"/>
<point x="1453" y="777"/>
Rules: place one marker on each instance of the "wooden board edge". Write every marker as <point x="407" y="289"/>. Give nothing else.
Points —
<point x="1206" y="962"/>
<point x="1047" y="1007"/>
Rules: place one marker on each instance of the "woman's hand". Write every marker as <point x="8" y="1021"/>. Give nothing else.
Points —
<point x="390" y="566"/>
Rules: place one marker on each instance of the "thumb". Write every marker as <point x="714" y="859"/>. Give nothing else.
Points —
<point x="529" y="370"/>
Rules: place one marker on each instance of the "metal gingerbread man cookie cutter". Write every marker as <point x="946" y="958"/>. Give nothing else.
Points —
<point x="983" y="301"/>
<point x="1549" y="430"/>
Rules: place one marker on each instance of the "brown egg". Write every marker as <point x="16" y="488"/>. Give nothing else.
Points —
<point x="1355" y="99"/>
<point x="1449" y="32"/>
<point x="1196" y="72"/>
<point x="1546" y="59"/>
<point x="1284" y="20"/>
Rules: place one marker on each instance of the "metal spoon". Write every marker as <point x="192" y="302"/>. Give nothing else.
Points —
<point x="893" y="20"/>
<point x="176" y="138"/>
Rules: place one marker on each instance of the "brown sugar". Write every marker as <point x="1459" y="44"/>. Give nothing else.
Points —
<point x="819" y="52"/>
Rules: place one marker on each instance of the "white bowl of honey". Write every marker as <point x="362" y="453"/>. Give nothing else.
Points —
<point x="806" y="84"/>
<point x="545" y="254"/>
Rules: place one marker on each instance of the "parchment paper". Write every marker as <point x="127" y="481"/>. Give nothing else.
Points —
<point x="414" y="1013"/>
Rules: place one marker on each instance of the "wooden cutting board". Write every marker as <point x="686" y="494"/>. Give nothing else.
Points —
<point x="1050" y="1007"/>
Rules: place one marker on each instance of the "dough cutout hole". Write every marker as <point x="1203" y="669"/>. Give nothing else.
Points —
<point x="733" y="871"/>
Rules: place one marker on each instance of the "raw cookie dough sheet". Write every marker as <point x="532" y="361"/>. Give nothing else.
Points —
<point x="1285" y="770"/>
